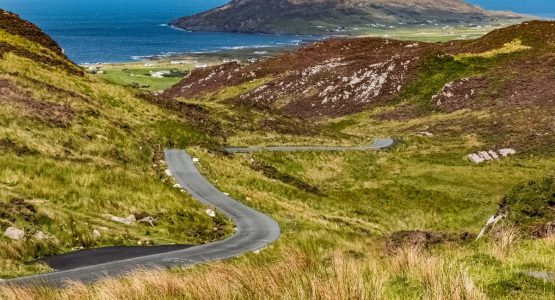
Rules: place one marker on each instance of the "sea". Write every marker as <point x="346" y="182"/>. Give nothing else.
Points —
<point x="101" y="31"/>
<point x="93" y="31"/>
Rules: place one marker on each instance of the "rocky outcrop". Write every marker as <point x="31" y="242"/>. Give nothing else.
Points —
<point x="484" y="156"/>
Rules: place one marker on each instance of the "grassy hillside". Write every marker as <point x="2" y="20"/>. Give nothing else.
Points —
<point x="399" y="224"/>
<point x="73" y="148"/>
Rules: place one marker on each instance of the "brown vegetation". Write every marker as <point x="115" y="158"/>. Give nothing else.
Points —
<point x="55" y="114"/>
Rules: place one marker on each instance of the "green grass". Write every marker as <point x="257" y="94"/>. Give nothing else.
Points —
<point x="137" y="74"/>
<point x="61" y="173"/>
<point x="336" y="209"/>
<point x="428" y="33"/>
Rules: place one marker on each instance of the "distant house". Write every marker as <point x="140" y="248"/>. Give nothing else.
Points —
<point x="159" y="74"/>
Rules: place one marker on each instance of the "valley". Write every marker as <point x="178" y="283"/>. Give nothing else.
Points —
<point x="400" y="223"/>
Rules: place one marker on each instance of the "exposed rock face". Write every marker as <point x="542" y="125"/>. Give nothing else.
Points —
<point x="331" y="78"/>
<point x="332" y="16"/>
<point x="484" y="156"/>
<point x="15" y="234"/>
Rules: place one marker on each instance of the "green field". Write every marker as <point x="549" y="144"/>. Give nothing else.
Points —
<point x="138" y="74"/>
<point x="430" y="33"/>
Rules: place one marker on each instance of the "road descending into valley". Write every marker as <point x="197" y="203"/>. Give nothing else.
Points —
<point x="379" y="144"/>
<point x="254" y="230"/>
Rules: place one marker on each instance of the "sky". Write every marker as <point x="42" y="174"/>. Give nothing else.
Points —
<point x="534" y="7"/>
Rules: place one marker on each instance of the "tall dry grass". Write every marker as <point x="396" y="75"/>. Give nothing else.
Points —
<point x="441" y="279"/>
<point x="296" y="276"/>
<point x="503" y="241"/>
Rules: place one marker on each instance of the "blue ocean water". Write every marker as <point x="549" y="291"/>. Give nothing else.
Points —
<point x="93" y="31"/>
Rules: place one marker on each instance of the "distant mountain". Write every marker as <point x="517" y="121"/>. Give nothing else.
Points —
<point x="329" y="16"/>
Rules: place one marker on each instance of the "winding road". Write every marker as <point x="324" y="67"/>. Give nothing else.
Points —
<point x="379" y="144"/>
<point x="254" y="230"/>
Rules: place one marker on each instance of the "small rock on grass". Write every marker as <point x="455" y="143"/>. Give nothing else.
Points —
<point x="150" y="220"/>
<point x="129" y="220"/>
<point x="425" y="134"/>
<point x="196" y="160"/>
<point x="546" y="276"/>
<point x="40" y="236"/>
<point x="211" y="213"/>
<point x="15" y="234"/>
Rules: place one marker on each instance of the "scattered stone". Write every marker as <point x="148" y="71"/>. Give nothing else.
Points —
<point x="177" y="186"/>
<point x="15" y="234"/>
<point x="546" y="276"/>
<point x="425" y="133"/>
<point x="196" y="160"/>
<point x="150" y="220"/>
<point x="211" y="213"/>
<point x="101" y="137"/>
<point x="129" y="220"/>
<point x="168" y="173"/>
<point x="507" y="152"/>
<point x="227" y="194"/>
<point x="96" y="233"/>
<point x="483" y="156"/>
<point x="40" y="236"/>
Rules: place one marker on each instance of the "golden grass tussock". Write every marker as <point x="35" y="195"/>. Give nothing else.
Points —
<point x="511" y="47"/>
<point x="294" y="277"/>
<point x="441" y="279"/>
<point x="503" y="241"/>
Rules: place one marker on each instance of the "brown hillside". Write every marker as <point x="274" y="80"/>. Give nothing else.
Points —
<point x="343" y="76"/>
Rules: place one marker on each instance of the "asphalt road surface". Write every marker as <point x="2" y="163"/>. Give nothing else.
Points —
<point x="254" y="231"/>
<point x="379" y="144"/>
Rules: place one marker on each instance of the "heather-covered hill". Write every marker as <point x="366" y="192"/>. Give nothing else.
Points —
<point x="509" y="70"/>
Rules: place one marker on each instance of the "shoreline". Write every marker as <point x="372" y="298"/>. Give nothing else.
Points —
<point x="261" y="51"/>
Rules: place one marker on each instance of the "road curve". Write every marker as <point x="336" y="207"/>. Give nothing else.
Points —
<point x="379" y="144"/>
<point x="254" y="231"/>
